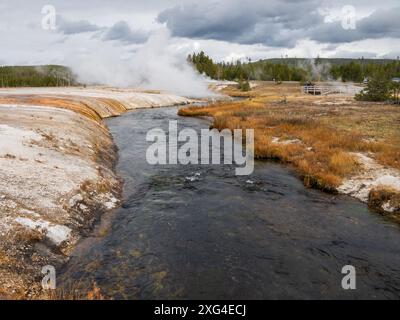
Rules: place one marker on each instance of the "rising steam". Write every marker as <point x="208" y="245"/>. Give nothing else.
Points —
<point x="152" y="66"/>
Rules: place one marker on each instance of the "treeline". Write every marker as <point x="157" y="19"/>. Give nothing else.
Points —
<point x="296" y="69"/>
<point x="361" y="70"/>
<point x="36" y="76"/>
<point x="236" y="71"/>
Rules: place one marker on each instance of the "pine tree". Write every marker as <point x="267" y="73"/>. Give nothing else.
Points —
<point x="378" y="89"/>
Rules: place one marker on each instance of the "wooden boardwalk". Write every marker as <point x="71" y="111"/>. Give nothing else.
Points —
<point x="327" y="89"/>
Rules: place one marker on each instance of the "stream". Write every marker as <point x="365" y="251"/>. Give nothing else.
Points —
<point x="200" y="232"/>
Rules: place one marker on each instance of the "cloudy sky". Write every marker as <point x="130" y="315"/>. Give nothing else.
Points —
<point x="226" y="29"/>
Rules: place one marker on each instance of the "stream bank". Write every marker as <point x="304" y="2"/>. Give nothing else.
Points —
<point x="57" y="162"/>
<point x="200" y="232"/>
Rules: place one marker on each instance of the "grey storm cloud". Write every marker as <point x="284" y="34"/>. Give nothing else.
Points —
<point x="380" y="24"/>
<point x="121" y="31"/>
<point x="274" y="23"/>
<point x="68" y="27"/>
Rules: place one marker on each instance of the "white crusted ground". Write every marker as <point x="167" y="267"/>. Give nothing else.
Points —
<point x="372" y="175"/>
<point x="46" y="154"/>
<point x="130" y="98"/>
<point x="278" y="140"/>
<point x="56" y="172"/>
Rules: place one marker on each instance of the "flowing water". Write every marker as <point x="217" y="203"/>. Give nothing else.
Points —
<point x="200" y="232"/>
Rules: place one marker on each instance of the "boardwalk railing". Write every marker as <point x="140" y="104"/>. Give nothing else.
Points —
<point x="325" y="90"/>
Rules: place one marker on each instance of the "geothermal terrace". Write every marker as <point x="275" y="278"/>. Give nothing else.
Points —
<point x="56" y="159"/>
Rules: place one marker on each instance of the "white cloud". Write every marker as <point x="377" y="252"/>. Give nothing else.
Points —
<point x="228" y="32"/>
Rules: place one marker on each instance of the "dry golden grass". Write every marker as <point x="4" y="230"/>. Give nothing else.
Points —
<point x="75" y="292"/>
<point x="382" y="195"/>
<point x="328" y="130"/>
<point x="5" y="259"/>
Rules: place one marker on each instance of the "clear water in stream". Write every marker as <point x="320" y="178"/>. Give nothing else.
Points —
<point x="196" y="232"/>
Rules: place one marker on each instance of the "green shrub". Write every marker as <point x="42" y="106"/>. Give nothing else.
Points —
<point x="244" y="86"/>
<point x="378" y="89"/>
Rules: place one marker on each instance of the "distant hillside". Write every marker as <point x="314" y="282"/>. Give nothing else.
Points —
<point x="36" y="76"/>
<point x="332" y="61"/>
<point x="295" y="69"/>
<point x="320" y="69"/>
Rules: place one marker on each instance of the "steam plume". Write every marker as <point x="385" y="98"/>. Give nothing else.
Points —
<point x="152" y="66"/>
